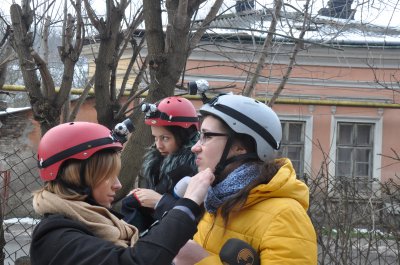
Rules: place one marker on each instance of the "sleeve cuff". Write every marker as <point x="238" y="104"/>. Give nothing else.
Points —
<point x="193" y="207"/>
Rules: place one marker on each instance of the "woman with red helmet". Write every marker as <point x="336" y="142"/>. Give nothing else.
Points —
<point x="80" y="163"/>
<point x="174" y="125"/>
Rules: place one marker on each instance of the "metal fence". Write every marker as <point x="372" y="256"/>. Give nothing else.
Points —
<point x="355" y="223"/>
<point x="18" y="179"/>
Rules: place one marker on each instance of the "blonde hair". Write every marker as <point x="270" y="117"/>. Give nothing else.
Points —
<point x="99" y="167"/>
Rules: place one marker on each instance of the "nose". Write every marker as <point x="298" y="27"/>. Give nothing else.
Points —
<point x="159" y="144"/>
<point x="117" y="184"/>
<point x="196" y="148"/>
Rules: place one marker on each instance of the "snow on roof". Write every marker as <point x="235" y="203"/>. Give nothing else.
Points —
<point x="321" y="29"/>
<point x="13" y="110"/>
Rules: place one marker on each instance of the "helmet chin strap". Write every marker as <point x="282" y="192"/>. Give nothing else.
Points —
<point x="224" y="161"/>
<point x="86" y="189"/>
<point x="83" y="190"/>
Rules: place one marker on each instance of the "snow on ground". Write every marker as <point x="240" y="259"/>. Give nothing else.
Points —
<point x="25" y="220"/>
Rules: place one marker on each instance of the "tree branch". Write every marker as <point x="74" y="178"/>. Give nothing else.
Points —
<point x="267" y="43"/>
<point x="296" y="48"/>
<point x="205" y="24"/>
<point x="92" y="15"/>
<point x="81" y="99"/>
<point x="47" y="80"/>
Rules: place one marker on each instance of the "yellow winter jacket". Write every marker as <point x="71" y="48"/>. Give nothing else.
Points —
<point x="273" y="221"/>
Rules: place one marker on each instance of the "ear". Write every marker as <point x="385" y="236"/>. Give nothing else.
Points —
<point x="238" y="149"/>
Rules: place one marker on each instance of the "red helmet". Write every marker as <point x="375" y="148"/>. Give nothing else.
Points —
<point x="172" y="111"/>
<point x="74" y="140"/>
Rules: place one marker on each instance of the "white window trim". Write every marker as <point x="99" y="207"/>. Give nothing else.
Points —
<point x="308" y="134"/>
<point x="377" y="146"/>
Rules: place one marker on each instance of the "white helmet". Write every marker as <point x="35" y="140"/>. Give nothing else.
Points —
<point x="248" y="116"/>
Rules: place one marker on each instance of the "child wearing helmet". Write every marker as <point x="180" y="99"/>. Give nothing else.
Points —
<point x="80" y="163"/>
<point x="174" y="125"/>
<point x="256" y="196"/>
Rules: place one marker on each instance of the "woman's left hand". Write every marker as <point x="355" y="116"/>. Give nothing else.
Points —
<point x="190" y="253"/>
<point x="147" y="197"/>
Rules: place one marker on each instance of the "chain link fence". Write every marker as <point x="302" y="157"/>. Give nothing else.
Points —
<point x="356" y="222"/>
<point x="18" y="180"/>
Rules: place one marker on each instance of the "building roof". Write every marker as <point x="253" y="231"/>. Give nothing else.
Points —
<point x="9" y="111"/>
<point x="254" y="25"/>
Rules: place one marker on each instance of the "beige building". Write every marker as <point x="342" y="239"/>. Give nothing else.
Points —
<point x="340" y="107"/>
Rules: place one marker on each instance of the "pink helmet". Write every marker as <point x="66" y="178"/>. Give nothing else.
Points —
<point x="74" y="140"/>
<point x="171" y="111"/>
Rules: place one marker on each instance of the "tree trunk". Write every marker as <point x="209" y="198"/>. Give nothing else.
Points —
<point x="21" y="39"/>
<point x="6" y="52"/>
<point x="106" y="63"/>
<point x="104" y="102"/>
<point x="167" y="57"/>
<point x="45" y="101"/>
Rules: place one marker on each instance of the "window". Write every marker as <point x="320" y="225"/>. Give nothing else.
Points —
<point x="292" y="145"/>
<point x="354" y="154"/>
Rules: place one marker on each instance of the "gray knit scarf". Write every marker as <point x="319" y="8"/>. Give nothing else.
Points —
<point x="233" y="183"/>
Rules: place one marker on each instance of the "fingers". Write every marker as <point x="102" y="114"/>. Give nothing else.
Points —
<point x="137" y="198"/>
<point x="198" y="185"/>
<point x="147" y="197"/>
<point x="133" y="191"/>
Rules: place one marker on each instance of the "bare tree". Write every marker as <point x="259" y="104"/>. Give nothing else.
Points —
<point x="298" y="43"/>
<point x="167" y="55"/>
<point x="249" y="88"/>
<point x="112" y="43"/>
<point x="5" y="51"/>
<point x="45" y="100"/>
<point x="5" y="57"/>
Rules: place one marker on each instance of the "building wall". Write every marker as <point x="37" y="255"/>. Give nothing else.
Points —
<point x="17" y="131"/>
<point x="324" y="118"/>
<point x="321" y="82"/>
<point x="347" y="75"/>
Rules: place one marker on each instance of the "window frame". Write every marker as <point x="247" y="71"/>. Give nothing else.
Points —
<point x="308" y="137"/>
<point x="376" y="147"/>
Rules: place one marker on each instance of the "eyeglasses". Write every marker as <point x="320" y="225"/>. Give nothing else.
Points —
<point x="205" y="136"/>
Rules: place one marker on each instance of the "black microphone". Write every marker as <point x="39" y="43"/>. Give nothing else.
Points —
<point x="238" y="252"/>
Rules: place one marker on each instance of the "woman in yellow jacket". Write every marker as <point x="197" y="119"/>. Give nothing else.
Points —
<point x="255" y="197"/>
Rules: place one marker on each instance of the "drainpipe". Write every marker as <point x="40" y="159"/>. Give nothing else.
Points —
<point x="322" y="102"/>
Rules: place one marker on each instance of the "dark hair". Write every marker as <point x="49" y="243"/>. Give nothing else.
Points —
<point x="182" y="135"/>
<point x="268" y="170"/>
<point x="236" y="202"/>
